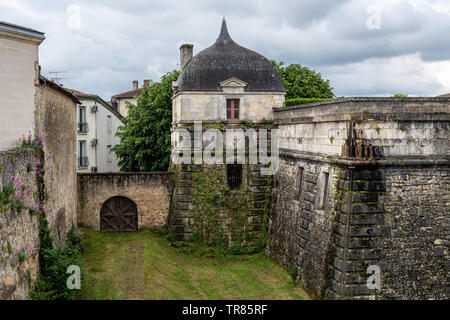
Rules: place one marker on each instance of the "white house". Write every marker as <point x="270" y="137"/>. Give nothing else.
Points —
<point x="19" y="70"/>
<point x="97" y="126"/>
<point x="119" y="101"/>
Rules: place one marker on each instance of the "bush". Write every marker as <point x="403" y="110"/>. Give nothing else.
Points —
<point x="52" y="281"/>
<point x="75" y="236"/>
<point x="298" y="101"/>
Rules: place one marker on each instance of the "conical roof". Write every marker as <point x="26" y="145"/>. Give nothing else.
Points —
<point x="226" y="59"/>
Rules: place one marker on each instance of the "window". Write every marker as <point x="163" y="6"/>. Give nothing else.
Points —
<point x="234" y="175"/>
<point x="233" y="109"/>
<point x="108" y="153"/>
<point x="108" y="124"/>
<point x="82" y="123"/>
<point x="82" y="154"/>
<point x="325" y="190"/>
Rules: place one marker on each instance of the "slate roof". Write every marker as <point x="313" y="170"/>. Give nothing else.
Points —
<point x="226" y="59"/>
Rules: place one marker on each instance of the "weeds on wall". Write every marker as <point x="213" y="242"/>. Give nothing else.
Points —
<point x="51" y="283"/>
<point x="53" y="260"/>
<point x="221" y="215"/>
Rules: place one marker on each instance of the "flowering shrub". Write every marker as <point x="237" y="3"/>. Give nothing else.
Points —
<point x="24" y="198"/>
<point x="31" y="142"/>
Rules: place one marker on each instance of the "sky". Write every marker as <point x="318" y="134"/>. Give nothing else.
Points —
<point x="364" y="47"/>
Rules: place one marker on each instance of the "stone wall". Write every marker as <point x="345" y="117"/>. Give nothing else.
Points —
<point x="149" y="191"/>
<point x="387" y="197"/>
<point x="417" y="206"/>
<point x="19" y="230"/>
<point x="300" y="226"/>
<point x="202" y="202"/>
<point x="55" y="117"/>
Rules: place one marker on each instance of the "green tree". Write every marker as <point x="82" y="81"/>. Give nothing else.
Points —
<point x="302" y="82"/>
<point x="145" y="137"/>
<point x="400" y="95"/>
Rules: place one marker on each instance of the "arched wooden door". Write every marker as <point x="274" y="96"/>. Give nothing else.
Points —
<point x="118" y="214"/>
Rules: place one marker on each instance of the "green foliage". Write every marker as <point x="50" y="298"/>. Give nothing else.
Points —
<point x="22" y="256"/>
<point x="294" y="274"/>
<point x="75" y="236"/>
<point x="5" y="195"/>
<point x="298" y="101"/>
<point x="302" y="82"/>
<point x="145" y="137"/>
<point x="51" y="283"/>
<point x="400" y="95"/>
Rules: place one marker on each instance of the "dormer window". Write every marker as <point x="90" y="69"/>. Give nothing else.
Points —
<point x="233" y="109"/>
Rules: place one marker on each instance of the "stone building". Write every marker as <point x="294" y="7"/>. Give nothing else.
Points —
<point x="361" y="191"/>
<point x="119" y="101"/>
<point x="224" y="88"/>
<point x="97" y="124"/>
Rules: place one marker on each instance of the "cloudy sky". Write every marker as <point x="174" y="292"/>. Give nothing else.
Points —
<point x="364" y="47"/>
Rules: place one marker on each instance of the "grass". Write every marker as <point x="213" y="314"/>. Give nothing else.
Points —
<point x="144" y="265"/>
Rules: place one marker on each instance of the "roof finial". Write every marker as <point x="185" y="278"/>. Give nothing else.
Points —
<point x="224" y="36"/>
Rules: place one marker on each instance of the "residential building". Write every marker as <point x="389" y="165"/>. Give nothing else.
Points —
<point x="97" y="124"/>
<point x="19" y="72"/>
<point x="119" y="101"/>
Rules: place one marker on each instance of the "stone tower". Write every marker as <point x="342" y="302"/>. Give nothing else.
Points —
<point x="223" y="91"/>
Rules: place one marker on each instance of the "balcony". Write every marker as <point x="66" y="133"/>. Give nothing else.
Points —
<point x="83" y="127"/>
<point x="83" y="162"/>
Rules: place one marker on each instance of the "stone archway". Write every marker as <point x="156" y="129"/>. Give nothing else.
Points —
<point x="119" y="214"/>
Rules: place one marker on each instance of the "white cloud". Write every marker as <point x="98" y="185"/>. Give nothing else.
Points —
<point x="119" y="41"/>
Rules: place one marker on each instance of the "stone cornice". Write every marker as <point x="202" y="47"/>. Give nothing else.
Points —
<point x="342" y="161"/>
<point x="23" y="37"/>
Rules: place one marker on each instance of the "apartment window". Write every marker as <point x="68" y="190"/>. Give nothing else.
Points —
<point x="325" y="190"/>
<point x="108" y="153"/>
<point x="82" y="154"/>
<point x="108" y="124"/>
<point x="233" y="109"/>
<point x="234" y="175"/>
<point x="82" y="122"/>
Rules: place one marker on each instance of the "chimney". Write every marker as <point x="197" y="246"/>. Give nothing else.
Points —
<point x="185" y="54"/>
<point x="146" y="83"/>
<point x="135" y="85"/>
